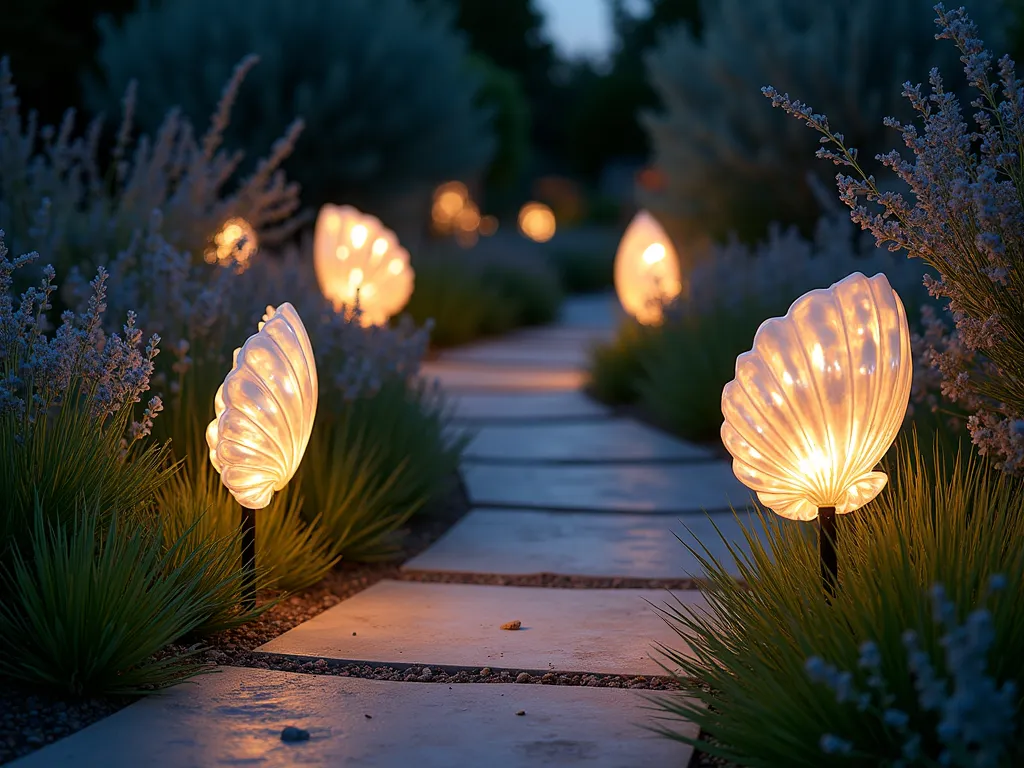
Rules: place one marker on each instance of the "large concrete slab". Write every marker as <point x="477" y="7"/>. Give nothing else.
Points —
<point x="606" y="631"/>
<point x="525" y="406"/>
<point x="662" y="488"/>
<point x="609" y="440"/>
<point x="468" y="376"/>
<point x="235" y="717"/>
<point x="519" y="542"/>
<point x="595" y="311"/>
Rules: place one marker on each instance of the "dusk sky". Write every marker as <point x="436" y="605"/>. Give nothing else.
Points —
<point x="578" y="27"/>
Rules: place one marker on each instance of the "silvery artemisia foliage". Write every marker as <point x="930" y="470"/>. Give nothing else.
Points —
<point x="57" y="198"/>
<point x="965" y="218"/>
<point x="729" y="162"/>
<point x="105" y="372"/>
<point x="974" y="716"/>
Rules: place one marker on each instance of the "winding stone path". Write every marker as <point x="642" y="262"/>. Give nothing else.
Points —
<point x="558" y="486"/>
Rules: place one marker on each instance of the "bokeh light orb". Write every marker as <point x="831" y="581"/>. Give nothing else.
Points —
<point x="355" y="255"/>
<point x="537" y="222"/>
<point x="647" y="273"/>
<point x="235" y="244"/>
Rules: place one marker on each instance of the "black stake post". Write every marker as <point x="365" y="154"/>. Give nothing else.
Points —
<point x="248" y="559"/>
<point x="827" y="551"/>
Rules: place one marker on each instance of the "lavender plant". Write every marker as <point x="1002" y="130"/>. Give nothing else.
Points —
<point x="964" y="216"/>
<point x="68" y="427"/>
<point x="57" y="195"/>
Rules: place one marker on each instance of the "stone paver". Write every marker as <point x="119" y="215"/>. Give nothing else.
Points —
<point x="525" y="406"/>
<point x="235" y="717"/>
<point x="607" y="631"/>
<point x="677" y="488"/>
<point x="531" y="354"/>
<point x="518" y="542"/>
<point x="468" y="376"/>
<point x="613" y="439"/>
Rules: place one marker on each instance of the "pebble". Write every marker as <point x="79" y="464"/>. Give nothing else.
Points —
<point x="523" y="677"/>
<point x="485" y="672"/>
<point x="291" y="733"/>
<point x="521" y="712"/>
<point x="512" y="625"/>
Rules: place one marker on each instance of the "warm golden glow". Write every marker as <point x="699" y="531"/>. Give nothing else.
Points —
<point x="265" y="410"/>
<point x="488" y="225"/>
<point x="537" y="222"/>
<point x="235" y="244"/>
<point x="820" y="397"/>
<point x="354" y="254"/>
<point x="647" y="270"/>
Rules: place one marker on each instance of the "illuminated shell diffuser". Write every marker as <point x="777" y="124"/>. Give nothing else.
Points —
<point x="354" y="253"/>
<point x="265" y="410"/>
<point x="646" y="269"/>
<point x="820" y="398"/>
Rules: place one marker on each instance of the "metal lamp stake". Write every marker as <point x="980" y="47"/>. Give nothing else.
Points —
<point x="248" y="559"/>
<point x="827" y="551"/>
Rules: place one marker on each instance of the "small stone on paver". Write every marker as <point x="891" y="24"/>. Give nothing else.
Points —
<point x="291" y="733"/>
<point x="520" y="542"/>
<point x="662" y="488"/>
<point x="512" y="625"/>
<point x="609" y="440"/>
<point x="235" y="716"/>
<point x="603" y="631"/>
<point x="465" y="376"/>
<point x="497" y="407"/>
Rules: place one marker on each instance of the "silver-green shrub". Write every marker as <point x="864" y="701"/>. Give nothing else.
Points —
<point x="382" y="86"/>
<point x="732" y="165"/>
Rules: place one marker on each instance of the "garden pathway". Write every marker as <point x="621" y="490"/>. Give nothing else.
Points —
<point x="558" y="486"/>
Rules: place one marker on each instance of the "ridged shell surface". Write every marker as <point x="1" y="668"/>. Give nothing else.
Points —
<point x="354" y="253"/>
<point x="265" y="410"/>
<point x="820" y="397"/>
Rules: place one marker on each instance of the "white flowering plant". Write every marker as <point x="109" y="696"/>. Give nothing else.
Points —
<point x="892" y="670"/>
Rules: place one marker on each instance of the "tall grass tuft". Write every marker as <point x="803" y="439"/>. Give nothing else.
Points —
<point x="88" y="608"/>
<point x="777" y="676"/>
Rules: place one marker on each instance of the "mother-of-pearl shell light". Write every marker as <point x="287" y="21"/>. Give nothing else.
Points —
<point x="647" y="272"/>
<point x="820" y="397"/>
<point x="353" y="253"/>
<point x="265" y="410"/>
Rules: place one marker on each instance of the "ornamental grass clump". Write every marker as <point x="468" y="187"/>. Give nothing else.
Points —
<point x="964" y="217"/>
<point x="894" y="671"/>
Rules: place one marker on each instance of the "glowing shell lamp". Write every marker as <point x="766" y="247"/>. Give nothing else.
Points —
<point x="646" y="269"/>
<point x="537" y="222"/>
<point x="355" y="255"/>
<point x="264" y="417"/>
<point x="236" y="243"/>
<point x="817" y="402"/>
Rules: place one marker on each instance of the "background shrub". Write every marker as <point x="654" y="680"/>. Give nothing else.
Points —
<point x="758" y="681"/>
<point x="381" y="85"/>
<point x="468" y="294"/>
<point x="730" y="163"/>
